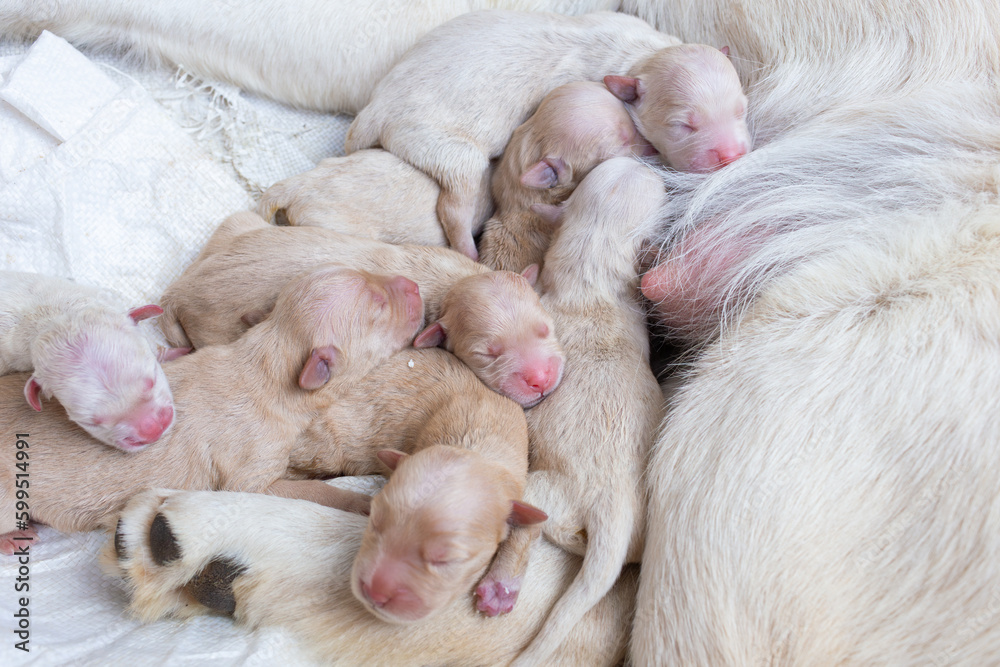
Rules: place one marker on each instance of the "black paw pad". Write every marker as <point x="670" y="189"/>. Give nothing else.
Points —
<point x="119" y="542"/>
<point x="162" y="543"/>
<point x="213" y="586"/>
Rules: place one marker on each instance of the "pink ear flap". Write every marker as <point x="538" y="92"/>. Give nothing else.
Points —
<point x="32" y="392"/>
<point x="433" y="336"/>
<point x="550" y="213"/>
<point x="626" y="88"/>
<point x="317" y="369"/>
<point x="390" y="457"/>
<point x="144" y="312"/>
<point x="523" y="514"/>
<point x="725" y="50"/>
<point x="170" y="353"/>
<point x="530" y="273"/>
<point x="546" y="173"/>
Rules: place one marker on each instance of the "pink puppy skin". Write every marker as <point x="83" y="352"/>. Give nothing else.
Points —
<point x="87" y="354"/>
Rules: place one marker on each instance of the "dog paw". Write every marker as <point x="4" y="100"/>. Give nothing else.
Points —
<point x="497" y="596"/>
<point x="17" y="540"/>
<point x="169" y="560"/>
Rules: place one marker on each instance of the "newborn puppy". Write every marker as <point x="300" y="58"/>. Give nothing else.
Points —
<point x="590" y="439"/>
<point x="351" y="195"/>
<point x="511" y="346"/>
<point x="576" y="127"/>
<point x="450" y="501"/>
<point x="495" y="323"/>
<point x="687" y="101"/>
<point x="240" y="407"/>
<point x="450" y="121"/>
<point x="86" y="353"/>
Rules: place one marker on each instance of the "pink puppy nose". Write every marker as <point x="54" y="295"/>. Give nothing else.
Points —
<point x="151" y="427"/>
<point x="377" y="598"/>
<point x="541" y="378"/>
<point x="382" y="588"/>
<point x="726" y="154"/>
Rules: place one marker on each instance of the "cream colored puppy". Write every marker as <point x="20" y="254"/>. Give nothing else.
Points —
<point x="231" y="553"/>
<point x="240" y="407"/>
<point x="460" y="457"/>
<point x="590" y="439"/>
<point x="450" y="121"/>
<point x="88" y="354"/>
<point x="511" y="344"/>
<point x="371" y="193"/>
<point x="576" y="127"/>
<point x="687" y="101"/>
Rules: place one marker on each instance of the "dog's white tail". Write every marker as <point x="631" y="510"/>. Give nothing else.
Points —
<point x="609" y="532"/>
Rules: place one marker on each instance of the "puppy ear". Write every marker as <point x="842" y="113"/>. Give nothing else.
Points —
<point x="530" y="274"/>
<point x="725" y="50"/>
<point x="32" y="392"/>
<point x="145" y="312"/>
<point x="170" y="353"/>
<point x="550" y="213"/>
<point x="626" y="88"/>
<point x="254" y="317"/>
<point x="546" y="173"/>
<point x="523" y="514"/>
<point x="390" y="457"/>
<point x="318" y="368"/>
<point x="433" y="336"/>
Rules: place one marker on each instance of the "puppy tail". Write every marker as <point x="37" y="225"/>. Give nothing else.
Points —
<point x="171" y="326"/>
<point x="608" y="539"/>
<point x="363" y="133"/>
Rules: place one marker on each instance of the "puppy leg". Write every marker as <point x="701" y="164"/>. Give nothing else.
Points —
<point x="264" y="560"/>
<point x="320" y="492"/>
<point x="498" y="589"/>
<point x="15" y="539"/>
<point x="465" y="203"/>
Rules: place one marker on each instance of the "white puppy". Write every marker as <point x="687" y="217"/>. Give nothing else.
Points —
<point x="86" y="353"/>
<point x="590" y="438"/>
<point x="450" y="121"/>
<point x="370" y="194"/>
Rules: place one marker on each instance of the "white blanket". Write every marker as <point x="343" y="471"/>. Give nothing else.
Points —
<point x="115" y="176"/>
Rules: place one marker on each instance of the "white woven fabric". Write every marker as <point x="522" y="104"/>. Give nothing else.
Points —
<point x="115" y="176"/>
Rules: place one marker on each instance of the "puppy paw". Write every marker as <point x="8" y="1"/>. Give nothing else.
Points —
<point x="497" y="596"/>
<point x="16" y="540"/>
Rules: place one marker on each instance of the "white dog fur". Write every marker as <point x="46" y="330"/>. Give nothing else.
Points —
<point x="84" y="350"/>
<point x="820" y="492"/>
<point x="316" y="54"/>
<point x="590" y="438"/>
<point x="304" y="585"/>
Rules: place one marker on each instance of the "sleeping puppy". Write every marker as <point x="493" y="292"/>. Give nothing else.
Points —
<point x="240" y="407"/>
<point x="88" y="354"/>
<point x="493" y="321"/>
